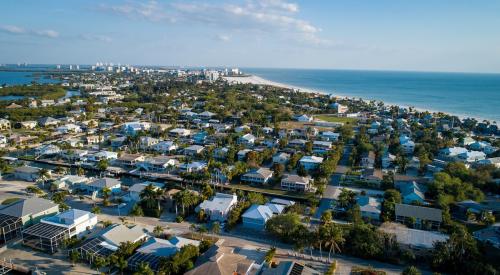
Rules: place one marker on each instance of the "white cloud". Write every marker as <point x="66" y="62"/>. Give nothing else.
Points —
<point x="96" y="37"/>
<point x="278" y="17"/>
<point x="223" y="37"/>
<point x="23" y="31"/>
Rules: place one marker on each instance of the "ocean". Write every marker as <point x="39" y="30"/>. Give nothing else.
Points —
<point x="463" y="94"/>
<point x="21" y="78"/>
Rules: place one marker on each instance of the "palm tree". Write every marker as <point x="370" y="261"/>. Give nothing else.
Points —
<point x="99" y="262"/>
<point x="150" y="196"/>
<point x="80" y="171"/>
<point x="144" y="269"/>
<point x="43" y="175"/>
<point x="333" y="237"/>
<point x="106" y="193"/>
<point x="186" y="199"/>
<point x="121" y="264"/>
<point x="270" y="255"/>
<point x="215" y="228"/>
<point x="74" y="255"/>
<point x="158" y="230"/>
<point x="136" y="211"/>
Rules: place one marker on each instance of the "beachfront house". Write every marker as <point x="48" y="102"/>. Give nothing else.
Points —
<point x="259" y="176"/>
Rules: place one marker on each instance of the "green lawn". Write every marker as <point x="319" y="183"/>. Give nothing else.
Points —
<point x="331" y="118"/>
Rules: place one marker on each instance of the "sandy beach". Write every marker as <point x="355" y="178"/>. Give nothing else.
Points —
<point x="253" y="79"/>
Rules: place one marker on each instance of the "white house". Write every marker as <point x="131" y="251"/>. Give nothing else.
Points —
<point x="471" y="156"/>
<point x="296" y="183"/>
<point x="219" y="206"/>
<point x="47" y="150"/>
<point x="75" y="220"/>
<point x="281" y="158"/>
<point x="259" y="176"/>
<point x="27" y="173"/>
<point x="257" y="215"/>
<point x="192" y="166"/>
<point x="147" y="142"/>
<point x="158" y="163"/>
<point x="132" y="128"/>
<point x="69" y="128"/>
<point x="311" y="162"/>
<point x="247" y="139"/>
<point x="407" y="144"/>
<point x="98" y="185"/>
<point x="369" y="207"/>
<point x="179" y="132"/>
<point x="165" y="146"/>
<point x="321" y="146"/>
<point x="451" y="153"/>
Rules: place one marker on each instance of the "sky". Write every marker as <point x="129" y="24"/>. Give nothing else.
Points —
<point x="420" y="35"/>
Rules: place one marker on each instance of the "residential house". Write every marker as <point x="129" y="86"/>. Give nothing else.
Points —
<point x="281" y="158"/>
<point x="118" y="141"/>
<point x="30" y="210"/>
<point x="451" y="153"/>
<point x="69" y="128"/>
<point x="311" y="162"/>
<point x="290" y="268"/>
<point x="158" y="164"/>
<point x="70" y="182"/>
<point x="224" y="261"/>
<point x="218" y="207"/>
<point x="471" y="156"/>
<point x="321" y="146"/>
<point x="259" y="176"/>
<point x="108" y="240"/>
<point x="489" y="235"/>
<point x="191" y="167"/>
<point x="27" y="173"/>
<point x="242" y="154"/>
<point x="247" y="140"/>
<point x="132" y="128"/>
<point x="220" y="153"/>
<point x="94" y="139"/>
<point x="296" y="183"/>
<point x="147" y="142"/>
<point x="369" y="207"/>
<point x="75" y="221"/>
<point x="418" y="216"/>
<point x="411" y="192"/>
<point x="155" y="250"/>
<point x="407" y="145"/>
<point x="48" y="121"/>
<point x="99" y="184"/>
<point x="129" y="160"/>
<point x="297" y="143"/>
<point x="165" y="146"/>
<point x="47" y="150"/>
<point x="193" y="150"/>
<point x="179" y="132"/>
<point x="304" y="118"/>
<point x="257" y="215"/>
<point x="101" y="155"/>
<point x="329" y="136"/>
<point x="134" y="192"/>
<point x="368" y="160"/>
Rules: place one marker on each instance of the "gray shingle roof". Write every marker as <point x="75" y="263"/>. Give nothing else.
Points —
<point x="419" y="212"/>
<point x="27" y="207"/>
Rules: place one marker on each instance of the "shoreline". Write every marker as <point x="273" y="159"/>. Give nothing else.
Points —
<point x="257" y="80"/>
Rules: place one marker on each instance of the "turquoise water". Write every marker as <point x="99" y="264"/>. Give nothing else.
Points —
<point x="11" y="97"/>
<point x="20" y="78"/>
<point x="465" y="94"/>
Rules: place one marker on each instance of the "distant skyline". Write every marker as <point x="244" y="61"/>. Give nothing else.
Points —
<point x="424" y="35"/>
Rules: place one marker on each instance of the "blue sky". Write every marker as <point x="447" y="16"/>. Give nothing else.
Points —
<point x="423" y="35"/>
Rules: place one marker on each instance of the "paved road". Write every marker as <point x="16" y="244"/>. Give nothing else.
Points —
<point x="326" y="201"/>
